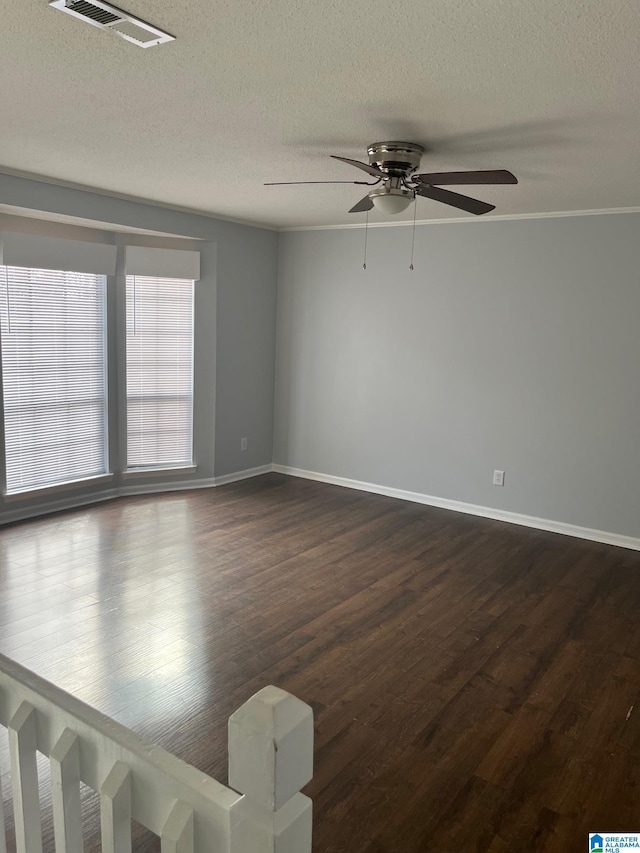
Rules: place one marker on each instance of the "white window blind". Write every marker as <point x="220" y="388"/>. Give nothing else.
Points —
<point x="159" y="372"/>
<point x="53" y="376"/>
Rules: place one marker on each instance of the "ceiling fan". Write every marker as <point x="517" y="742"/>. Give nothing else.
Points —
<point x="393" y="165"/>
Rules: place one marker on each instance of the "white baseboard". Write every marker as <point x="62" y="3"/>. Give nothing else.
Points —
<point x="56" y="504"/>
<point x="24" y="512"/>
<point x="158" y="488"/>
<point x="182" y="485"/>
<point x="470" y="509"/>
<point x="243" y="475"/>
<point x="575" y="530"/>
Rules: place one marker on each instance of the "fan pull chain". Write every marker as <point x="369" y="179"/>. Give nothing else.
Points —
<point x="413" y="235"/>
<point x="366" y="226"/>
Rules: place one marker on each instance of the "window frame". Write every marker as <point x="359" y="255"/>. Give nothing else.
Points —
<point x="176" y="262"/>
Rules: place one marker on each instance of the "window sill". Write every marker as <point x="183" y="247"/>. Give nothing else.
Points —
<point x="43" y="491"/>
<point x="136" y="473"/>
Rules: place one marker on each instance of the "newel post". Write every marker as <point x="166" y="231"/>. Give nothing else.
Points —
<point x="270" y="759"/>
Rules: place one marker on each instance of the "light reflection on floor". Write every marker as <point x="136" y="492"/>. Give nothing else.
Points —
<point x="117" y="640"/>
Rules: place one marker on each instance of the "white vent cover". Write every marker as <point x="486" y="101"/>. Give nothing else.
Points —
<point x="109" y="17"/>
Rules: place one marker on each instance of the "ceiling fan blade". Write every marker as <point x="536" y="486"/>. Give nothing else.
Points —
<point x="364" y="204"/>
<point x="486" y="176"/>
<point x="463" y="202"/>
<point x="372" y="170"/>
<point x="287" y="183"/>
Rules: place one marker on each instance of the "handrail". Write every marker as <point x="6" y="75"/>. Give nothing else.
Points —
<point x="270" y="759"/>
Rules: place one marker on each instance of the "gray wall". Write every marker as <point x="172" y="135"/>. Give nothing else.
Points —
<point x="513" y="345"/>
<point x="234" y="327"/>
<point x="246" y="333"/>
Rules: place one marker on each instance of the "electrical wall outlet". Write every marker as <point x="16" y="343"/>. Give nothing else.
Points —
<point x="498" y="478"/>
<point x="243" y="444"/>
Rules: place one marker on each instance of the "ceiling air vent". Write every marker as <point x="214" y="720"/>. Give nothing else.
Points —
<point x="109" y="17"/>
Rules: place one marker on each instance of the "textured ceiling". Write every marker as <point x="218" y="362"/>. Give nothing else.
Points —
<point x="256" y="91"/>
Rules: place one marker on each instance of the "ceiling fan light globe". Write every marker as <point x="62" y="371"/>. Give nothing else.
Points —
<point x="392" y="204"/>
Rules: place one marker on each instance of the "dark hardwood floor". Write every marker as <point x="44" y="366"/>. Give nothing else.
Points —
<point x="472" y="681"/>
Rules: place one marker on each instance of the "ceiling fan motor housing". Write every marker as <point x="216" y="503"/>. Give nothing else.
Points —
<point x="395" y="158"/>
<point x="392" y="189"/>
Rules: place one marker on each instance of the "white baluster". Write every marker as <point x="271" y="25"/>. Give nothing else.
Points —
<point x="24" y="779"/>
<point x="115" y="810"/>
<point x="270" y="759"/>
<point x="177" y="835"/>
<point x="65" y="783"/>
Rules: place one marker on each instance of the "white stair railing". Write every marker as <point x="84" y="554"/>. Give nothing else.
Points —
<point x="270" y="760"/>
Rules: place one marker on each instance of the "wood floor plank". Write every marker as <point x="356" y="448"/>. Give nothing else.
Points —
<point x="476" y="685"/>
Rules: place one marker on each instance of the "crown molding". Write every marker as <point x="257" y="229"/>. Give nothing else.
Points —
<point x="70" y="185"/>
<point x="504" y="217"/>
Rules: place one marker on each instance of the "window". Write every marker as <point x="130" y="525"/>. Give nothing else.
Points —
<point x="159" y="372"/>
<point x="53" y="376"/>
